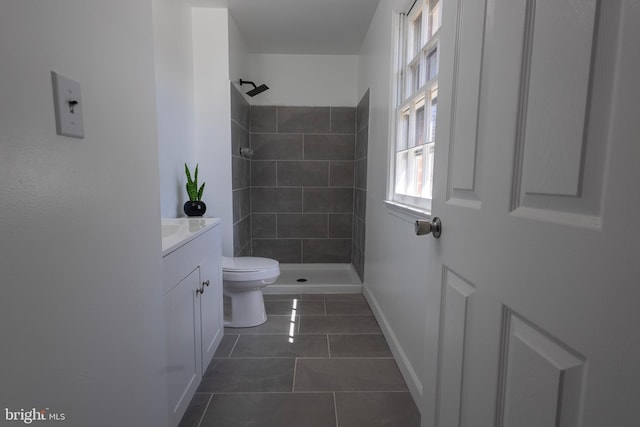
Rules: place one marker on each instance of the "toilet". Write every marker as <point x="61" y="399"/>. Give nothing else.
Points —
<point x="242" y="280"/>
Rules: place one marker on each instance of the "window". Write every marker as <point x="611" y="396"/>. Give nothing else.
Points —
<point x="416" y="106"/>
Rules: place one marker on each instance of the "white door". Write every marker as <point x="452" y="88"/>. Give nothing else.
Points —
<point x="535" y="282"/>
<point x="183" y="344"/>
<point x="211" y="317"/>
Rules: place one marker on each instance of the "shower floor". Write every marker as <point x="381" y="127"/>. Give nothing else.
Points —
<point x="315" y="278"/>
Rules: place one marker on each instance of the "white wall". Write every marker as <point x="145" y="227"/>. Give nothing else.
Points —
<point x="238" y="55"/>
<point x="174" y="101"/>
<point x="81" y="310"/>
<point x="196" y="50"/>
<point x="395" y="259"/>
<point x="213" y="115"/>
<point x="304" y="80"/>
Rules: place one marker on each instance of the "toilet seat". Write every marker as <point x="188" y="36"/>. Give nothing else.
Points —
<point x="242" y="269"/>
<point x="248" y="263"/>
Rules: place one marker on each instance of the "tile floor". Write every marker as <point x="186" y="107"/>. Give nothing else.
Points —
<point x="318" y="361"/>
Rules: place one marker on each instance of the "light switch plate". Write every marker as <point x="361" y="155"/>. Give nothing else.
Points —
<point x="68" y="106"/>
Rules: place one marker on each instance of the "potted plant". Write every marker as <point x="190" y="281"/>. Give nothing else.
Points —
<point x="195" y="206"/>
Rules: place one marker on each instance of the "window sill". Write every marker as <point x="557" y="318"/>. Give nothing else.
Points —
<point x="406" y="213"/>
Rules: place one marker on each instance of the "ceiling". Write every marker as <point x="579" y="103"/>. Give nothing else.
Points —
<point x="314" y="27"/>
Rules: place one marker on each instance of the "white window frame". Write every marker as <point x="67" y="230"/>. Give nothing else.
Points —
<point x="408" y="97"/>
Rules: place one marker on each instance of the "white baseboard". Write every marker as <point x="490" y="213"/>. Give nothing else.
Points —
<point x="411" y="378"/>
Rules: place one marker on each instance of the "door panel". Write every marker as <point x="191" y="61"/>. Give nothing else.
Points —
<point x="463" y="185"/>
<point x="457" y="295"/>
<point x="563" y="106"/>
<point x="183" y="343"/>
<point x="212" y="327"/>
<point x="541" y="378"/>
<point x="556" y="66"/>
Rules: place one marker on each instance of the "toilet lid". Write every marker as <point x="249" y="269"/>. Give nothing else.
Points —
<point x="248" y="263"/>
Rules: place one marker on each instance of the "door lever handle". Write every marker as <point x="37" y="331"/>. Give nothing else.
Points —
<point x="425" y="227"/>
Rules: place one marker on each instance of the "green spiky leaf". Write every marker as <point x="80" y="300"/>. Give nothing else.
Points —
<point x="200" y="191"/>
<point x="186" y="171"/>
<point x="194" y="193"/>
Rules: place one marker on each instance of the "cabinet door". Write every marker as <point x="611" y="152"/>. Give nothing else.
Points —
<point x="211" y="307"/>
<point x="183" y="343"/>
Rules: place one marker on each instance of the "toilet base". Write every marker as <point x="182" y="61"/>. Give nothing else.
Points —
<point x="247" y="309"/>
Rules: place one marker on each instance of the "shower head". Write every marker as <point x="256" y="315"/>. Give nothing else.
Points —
<point x="256" y="89"/>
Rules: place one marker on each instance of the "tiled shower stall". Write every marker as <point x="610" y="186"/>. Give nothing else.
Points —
<point x="301" y="196"/>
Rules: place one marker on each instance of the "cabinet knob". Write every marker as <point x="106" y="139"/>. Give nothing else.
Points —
<point x="200" y="291"/>
<point x="205" y="283"/>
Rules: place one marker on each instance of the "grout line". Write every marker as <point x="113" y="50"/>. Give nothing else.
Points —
<point x="328" y="347"/>
<point x="307" y="238"/>
<point x="226" y="393"/>
<point x="338" y="358"/>
<point x="336" y="333"/>
<point x="308" y="333"/>
<point x="295" y="367"/>
<point x="205" y="410"/>
<point x="338" y="314"/>
<point x="271" y="357"/>
<point x="221" y="393"/>
<point x="353" y="391"/>
<point x="355" y="333"/>
<point x="335" y="407"/>
<point x="233" y="347"/>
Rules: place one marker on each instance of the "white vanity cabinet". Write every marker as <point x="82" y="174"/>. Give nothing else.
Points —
<point x="194" y="319"/>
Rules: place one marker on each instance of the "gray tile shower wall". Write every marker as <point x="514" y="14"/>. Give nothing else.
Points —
<point x="241" y="174"/>
<point x="302" y="178"/>
<point x="360" y="184"/>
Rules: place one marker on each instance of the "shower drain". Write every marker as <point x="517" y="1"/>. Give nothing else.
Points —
<point x="301" y="280"/>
